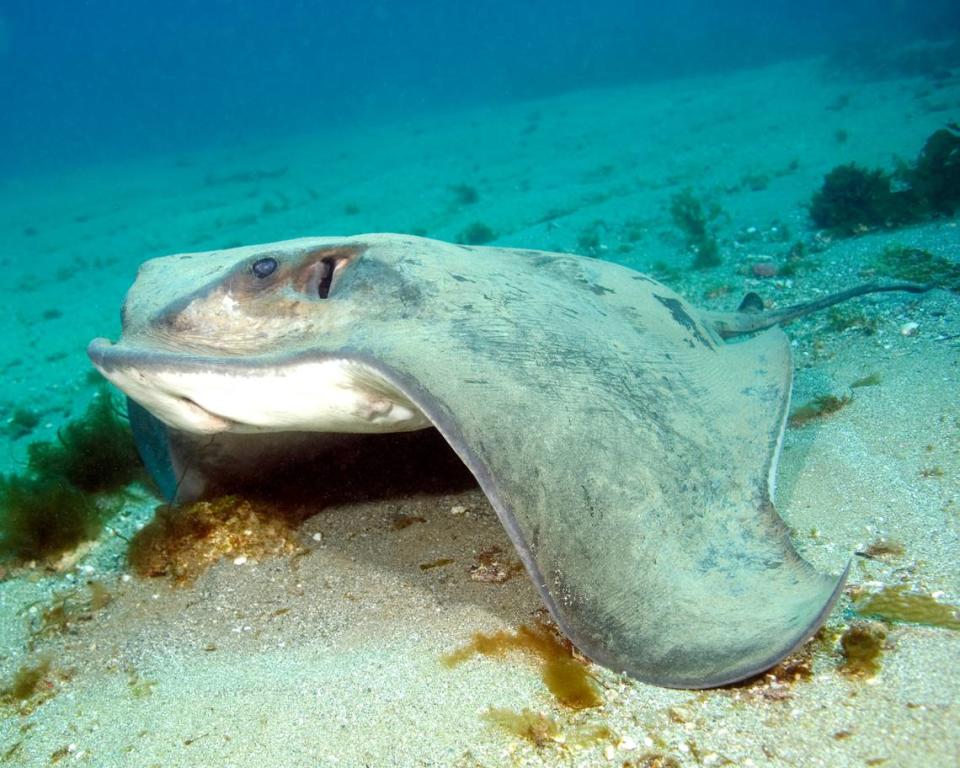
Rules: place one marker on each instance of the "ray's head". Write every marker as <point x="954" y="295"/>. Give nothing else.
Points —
<point x="258" y="338"/>
<point x="244" y="300"/>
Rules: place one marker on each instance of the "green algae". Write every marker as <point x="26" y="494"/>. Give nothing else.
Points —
<point x="695" y="222"/>
<point x="93" y="453"/>
<point x="52" y="507"/>
<point x="41" y="517"/>
<point x="476" y="233"/>
<point x="918" y="266"/>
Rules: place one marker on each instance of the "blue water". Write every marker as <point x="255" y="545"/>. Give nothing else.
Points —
<point x="107" y="80"/>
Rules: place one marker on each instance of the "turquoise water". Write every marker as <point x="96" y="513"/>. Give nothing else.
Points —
<point x="108" y="80"/>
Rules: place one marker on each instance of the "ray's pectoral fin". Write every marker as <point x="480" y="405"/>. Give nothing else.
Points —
<point x="688" y="578"/>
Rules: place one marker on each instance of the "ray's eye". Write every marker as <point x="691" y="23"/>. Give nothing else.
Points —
<point x="264" y="267"/>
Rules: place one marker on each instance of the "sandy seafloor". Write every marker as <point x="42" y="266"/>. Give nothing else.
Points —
<point x="333" y="659"/>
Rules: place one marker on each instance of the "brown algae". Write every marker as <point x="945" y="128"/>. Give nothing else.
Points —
<point x="541" y="730"/>
<point x="29" y="687"/>
<point x="862" y="644"/>
<point x="183" y="542"/>
<point x="870" y="380"/>
<point x="901" y="604"/>
<point x="818" y="408"/>
<point x="882" y="548"/>
<point x="564" y="675"/>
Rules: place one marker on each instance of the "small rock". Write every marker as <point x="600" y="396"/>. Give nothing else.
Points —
<point x="909" y="329"/>
<point x="458" y="509"/>
<point x="764" y="269"/>
<point x="240" y="560"/>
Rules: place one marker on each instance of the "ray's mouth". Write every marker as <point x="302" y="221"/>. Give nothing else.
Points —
<point x="202" y="414"/>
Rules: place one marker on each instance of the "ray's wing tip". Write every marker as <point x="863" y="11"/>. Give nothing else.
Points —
<point x="738" y="673"/>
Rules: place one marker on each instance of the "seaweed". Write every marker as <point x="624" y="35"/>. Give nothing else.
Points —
<point x="882" y="549"/>
<point x="51" y="507"/>
<point x="22" y="422"/>
<point x="564" y="675"/>
<point x="818" y="408"/>
<point x="44" y="516"/>
<point x="935" y="177"/>
<point x="853" y="200"/>
<point x="94" y="453"/>
<point x="588" y="241"/>
<point x="918" y="266"/>
<point x="476" y="233"/>
<point x="862" y="644"/>
<point x="541" y="730"/>
<point x="694" y="222"/>
<point x="66" y="609"/>
<point x="870" y="380"/>
<point x="534" y="727"/>
<point x="464" y="194"/>
<point x="901" y="604"/>
<point x="841" y="319"/>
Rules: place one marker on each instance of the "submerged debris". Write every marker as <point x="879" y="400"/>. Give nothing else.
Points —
<point x="492" y="568"/>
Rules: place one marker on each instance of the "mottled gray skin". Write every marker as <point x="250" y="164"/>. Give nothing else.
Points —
<point x="627" y="449"/>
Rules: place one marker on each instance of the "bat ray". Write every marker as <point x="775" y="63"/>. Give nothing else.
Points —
<point x="629" y="451"/>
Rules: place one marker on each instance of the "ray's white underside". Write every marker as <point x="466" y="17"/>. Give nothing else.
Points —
<point x="324" y="396"/>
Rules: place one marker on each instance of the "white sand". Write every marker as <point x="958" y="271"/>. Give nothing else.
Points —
<point x="333" y="659"/>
